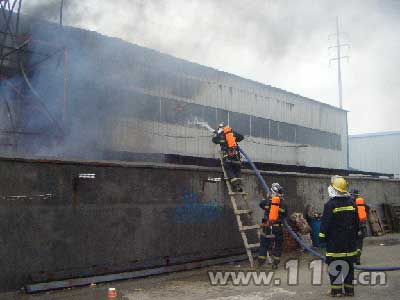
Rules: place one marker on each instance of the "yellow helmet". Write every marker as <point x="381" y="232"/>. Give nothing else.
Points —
<point x="339" y="184"/>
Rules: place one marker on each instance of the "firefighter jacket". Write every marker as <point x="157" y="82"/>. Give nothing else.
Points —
<point x="339" y="227"/>
<point x="219" y="139"/>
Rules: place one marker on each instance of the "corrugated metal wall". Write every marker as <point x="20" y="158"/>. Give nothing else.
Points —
<point x="376" y="153"/>
<point x="281" y="127"/>
<point x="126" y="98"/>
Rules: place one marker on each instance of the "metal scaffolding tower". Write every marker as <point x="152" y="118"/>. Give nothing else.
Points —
<point x="21" y="55"/>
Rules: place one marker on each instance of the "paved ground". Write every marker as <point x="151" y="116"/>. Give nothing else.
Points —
<point x="195" y="284"/>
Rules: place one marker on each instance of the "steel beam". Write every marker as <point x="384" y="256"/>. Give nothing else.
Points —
<point x="76" y="282"/>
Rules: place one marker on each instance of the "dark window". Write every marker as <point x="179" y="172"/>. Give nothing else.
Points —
<point x="149" y="79"/>
<point x="240" y="122"/>
<point x="322" y="139"/>
<point x="259" y="127"/>
<point x="210" y="116"/>
<point x="135" y="104"/>
<point x="336" y="141"/>
<point x="189" y="88"/>
<point x="273" y="130"/>
<point x="180" y="112"/>
<point x="169" y="111"/>
<point x="313" y="137"/>
<point x="287" y="132"/>
<point x="325" y="139"/>
<point x="148" y="108"/>
<point x="189" y="112"/>
<point x="302" y="135"/>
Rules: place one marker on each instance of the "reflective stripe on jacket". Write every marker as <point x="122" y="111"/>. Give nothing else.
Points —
<point x="339" y="226"/>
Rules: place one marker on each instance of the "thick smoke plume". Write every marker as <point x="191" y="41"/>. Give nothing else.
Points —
<point x="282" y="43"/>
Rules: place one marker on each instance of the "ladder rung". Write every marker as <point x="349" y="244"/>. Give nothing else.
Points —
<point x="238" y="193"/>
<point x="243" y="211"/>
<point x="251" y="246"/>
<point x="244" y="228"/>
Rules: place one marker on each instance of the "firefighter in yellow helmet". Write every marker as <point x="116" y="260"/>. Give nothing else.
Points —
<point x="339" y="226"/>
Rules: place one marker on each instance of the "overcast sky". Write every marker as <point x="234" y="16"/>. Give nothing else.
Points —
<point x="283" y="43"/>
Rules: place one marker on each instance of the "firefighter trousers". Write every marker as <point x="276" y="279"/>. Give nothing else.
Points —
<point x="271" y="240"/>
<point x="359" y="242"/>
<point x="233" y="171"/>
<point x="341" y="274"/>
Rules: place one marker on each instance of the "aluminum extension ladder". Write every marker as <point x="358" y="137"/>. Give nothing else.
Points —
<point x="240" y="213"/>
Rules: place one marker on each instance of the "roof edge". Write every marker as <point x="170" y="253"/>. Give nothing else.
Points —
<point x="374" y="134"/>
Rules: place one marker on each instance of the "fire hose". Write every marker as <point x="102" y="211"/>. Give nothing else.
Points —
<point x="298" y="239"/>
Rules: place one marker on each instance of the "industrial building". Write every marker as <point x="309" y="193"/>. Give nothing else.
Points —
<point x="104" y="98"/>
<point x="376" y="152"/>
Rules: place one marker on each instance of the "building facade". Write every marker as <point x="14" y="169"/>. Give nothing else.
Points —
<point x="124" y="99"/>
<point x="376" y="152"/>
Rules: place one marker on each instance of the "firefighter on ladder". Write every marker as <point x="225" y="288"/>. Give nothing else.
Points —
<point x="271" y="238"/>
<point x="339" y="227"/>
<point x="362" y="230"/>
<point x="228" y="139"/>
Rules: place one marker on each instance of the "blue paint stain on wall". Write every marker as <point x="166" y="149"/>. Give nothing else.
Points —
<point x="192" y="211"/>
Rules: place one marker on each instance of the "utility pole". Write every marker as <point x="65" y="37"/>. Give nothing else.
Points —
<point x="338" y="63"/>
<point x="339" y="58"/>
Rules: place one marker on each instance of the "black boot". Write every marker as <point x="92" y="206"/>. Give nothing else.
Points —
<point x="261" y="261"/>
<point x="349" y="290"/>
<point x="336" y="291"/>
<point x="275" y="264"/>
<point x="237" y="186"/>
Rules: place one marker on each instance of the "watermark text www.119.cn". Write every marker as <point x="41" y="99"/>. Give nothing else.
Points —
<point x="316" y="272"/>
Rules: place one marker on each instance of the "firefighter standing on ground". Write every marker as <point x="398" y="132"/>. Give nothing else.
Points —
<point x="271" y="238"/>
<point x="339" y="227"/>
<point x="362" y="230"/>
<point x="228" y="139"/>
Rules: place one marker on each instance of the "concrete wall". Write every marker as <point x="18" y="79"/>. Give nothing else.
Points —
<point x="130" y="216"/>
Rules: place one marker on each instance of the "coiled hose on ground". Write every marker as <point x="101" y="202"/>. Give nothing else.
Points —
<point x="297" y="238"/>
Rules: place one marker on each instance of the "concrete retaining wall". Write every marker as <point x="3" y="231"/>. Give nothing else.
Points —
<point x="131" y="216"/>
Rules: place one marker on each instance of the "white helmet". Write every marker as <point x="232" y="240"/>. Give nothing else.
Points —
<point x="277" y="189"/>
<point x="221" y="127"/>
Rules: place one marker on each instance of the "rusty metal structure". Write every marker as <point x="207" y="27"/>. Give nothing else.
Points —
<point x="21" y="55"/>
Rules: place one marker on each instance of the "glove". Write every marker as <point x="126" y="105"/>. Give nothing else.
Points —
<point x="265" y="224"/>
<point x="322" y="240"/>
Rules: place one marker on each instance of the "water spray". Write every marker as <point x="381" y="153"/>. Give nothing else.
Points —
<point x="201" y="123"/>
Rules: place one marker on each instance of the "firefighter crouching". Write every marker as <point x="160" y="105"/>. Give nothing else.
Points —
<point x="271" y="238"/>
<point x="339" y="227"/>
<point x="362" y="211"/>
<point x="228" y="139"/>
